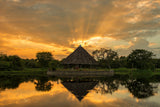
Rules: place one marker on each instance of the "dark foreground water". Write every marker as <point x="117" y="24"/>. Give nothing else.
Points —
<point x="115" y="91"/>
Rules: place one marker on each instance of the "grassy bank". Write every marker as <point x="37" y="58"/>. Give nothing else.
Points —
<point x="26" y="71"/>
<point x="82" y="69"/>
<point x="136" y="72"/>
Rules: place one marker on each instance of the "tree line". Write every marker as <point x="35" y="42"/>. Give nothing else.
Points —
<point x="106" y="58"/>
<point x="14" y="62"/>
<point x="138" y="58"/>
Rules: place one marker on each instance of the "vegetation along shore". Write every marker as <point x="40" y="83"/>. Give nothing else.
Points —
<point x="139" y="61"/>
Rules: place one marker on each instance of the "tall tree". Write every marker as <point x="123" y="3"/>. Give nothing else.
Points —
<point x="16" y="62"/>
<point x="3" y="57"/>
<point x="13" y="62"/>
<point x="44" y="58"/>
<point x="31" y="63"/>
<point x="123" y="61"/>
<point x="105" y="56"/>
<point x="141" y="59"/>
<point x="53" y="65"/>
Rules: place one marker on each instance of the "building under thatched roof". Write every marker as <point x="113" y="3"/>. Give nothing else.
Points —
<point x="79" y="57"/>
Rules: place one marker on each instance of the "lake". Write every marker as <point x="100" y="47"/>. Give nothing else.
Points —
<point x="111" y="91"/>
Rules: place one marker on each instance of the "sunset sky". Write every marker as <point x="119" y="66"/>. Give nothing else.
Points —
<point x="59" y="26"/>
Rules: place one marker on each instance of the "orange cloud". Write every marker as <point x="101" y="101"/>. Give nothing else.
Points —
<point x="27" y="49"/>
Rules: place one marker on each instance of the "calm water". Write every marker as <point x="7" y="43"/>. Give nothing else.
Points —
<point x="115" y="91"/>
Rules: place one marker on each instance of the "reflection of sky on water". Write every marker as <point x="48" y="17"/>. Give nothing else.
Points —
<point x="27" y="96"/>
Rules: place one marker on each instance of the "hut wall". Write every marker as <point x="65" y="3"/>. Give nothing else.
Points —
<point x="77" y="66"/>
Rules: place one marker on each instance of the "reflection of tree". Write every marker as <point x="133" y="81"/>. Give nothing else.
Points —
<point x="141" y="88"/>
<point x="1" y="90"/>
<point x="9" y="82"/>
<point x="107" y="86"/>
<point x="43" y="84"/>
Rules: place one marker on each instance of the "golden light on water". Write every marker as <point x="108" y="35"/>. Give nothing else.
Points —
<point x="59" y="95"/>
<point x="26" y="92"/>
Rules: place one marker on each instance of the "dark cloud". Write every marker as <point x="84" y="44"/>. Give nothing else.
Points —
<point x="139" y="43"/>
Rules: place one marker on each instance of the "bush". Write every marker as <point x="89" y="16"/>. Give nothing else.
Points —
<point x="53" y="65"/>
<point x="122" y="70"/>
<point x="4" y="65"/>
<point x="16" y="62"/>
<point x="31" y="63"/>
<point x="140" y="59"/>
<point x="44" y="58"/>
<point x="142" y="73"/>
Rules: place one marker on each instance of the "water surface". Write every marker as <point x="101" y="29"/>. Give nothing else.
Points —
<point x="115" y="91"/>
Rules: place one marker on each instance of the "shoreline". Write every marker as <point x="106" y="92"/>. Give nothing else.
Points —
<point x="80" y="73"/>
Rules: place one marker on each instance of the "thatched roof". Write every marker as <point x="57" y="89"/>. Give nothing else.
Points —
<point x="79" y="56"/>
<point x="79" y="89"/>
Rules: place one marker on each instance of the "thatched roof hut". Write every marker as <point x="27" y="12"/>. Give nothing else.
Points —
<point x="79" y="57"/>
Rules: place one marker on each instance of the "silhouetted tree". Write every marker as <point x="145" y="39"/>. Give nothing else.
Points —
<point x="123" y="61"/>
<point x="31" y="63"/>
<point x="116" y="63"/>
<point x="141" y="59"/>
<point x="156" y="63"/>
<point x="16" y="62"/>
<point x="44" y="58"/>
<point x="4" y="66"/>
<point x="54" y="64"/>
<point x="4" y="63"/>
<point x="3" y="57"/>
<point x="105" y="57"/>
